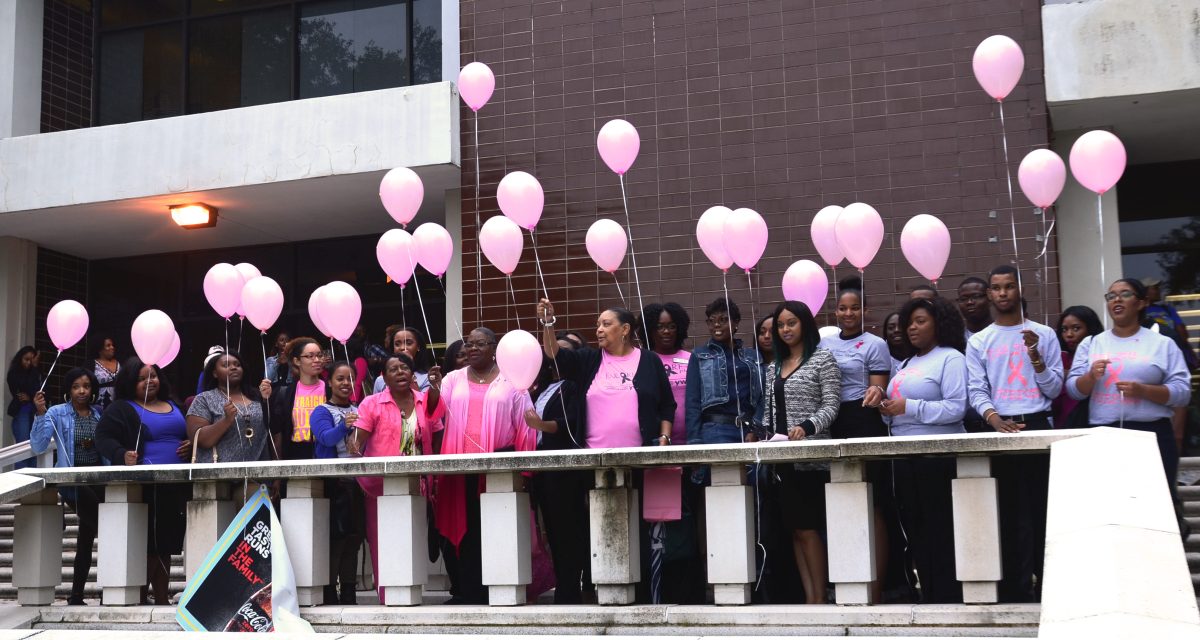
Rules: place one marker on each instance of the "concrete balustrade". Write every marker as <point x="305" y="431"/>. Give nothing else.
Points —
<point x="122" y="534"/>
<point x="208" y="515"/>
<point x="850" y="522"/>
<point x="1105" y="502"/>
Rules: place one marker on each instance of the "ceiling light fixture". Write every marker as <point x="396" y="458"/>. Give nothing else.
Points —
<point x="194" y="216"/>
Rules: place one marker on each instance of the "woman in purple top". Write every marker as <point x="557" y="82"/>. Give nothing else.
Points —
<point x="1075" y="324"/>
<point x="144" y="426"/>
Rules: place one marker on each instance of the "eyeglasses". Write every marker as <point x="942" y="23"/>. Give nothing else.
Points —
<point x="1124" y="295"/>
<point x="311" y="356"/>
<point x="717" y="321"/>
<point x="478" y="344"/>
<point x="975" y="297"/>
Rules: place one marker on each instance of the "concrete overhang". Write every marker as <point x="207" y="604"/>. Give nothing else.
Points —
<point x="288" y="171"/>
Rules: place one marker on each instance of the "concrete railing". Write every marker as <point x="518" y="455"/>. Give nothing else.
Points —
<point x="615" y="560"/>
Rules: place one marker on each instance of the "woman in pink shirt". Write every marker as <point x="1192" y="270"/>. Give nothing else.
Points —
<point x="398" y="421"/>
<point x="484" y="413"/>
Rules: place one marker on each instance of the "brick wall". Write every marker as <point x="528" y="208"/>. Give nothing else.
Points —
<point x="59" y="277"/>
<point x="67" y="65"/>
<point x="784" y="106"/>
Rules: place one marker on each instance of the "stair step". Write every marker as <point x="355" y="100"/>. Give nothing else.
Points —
<point x="1187" y="493"/>
<point x="90" y="592"/>
<point x="1192" y="543"/>
<point x="69" y="544"/>
<point x="1193" y="560"/>
<point x="1191" y="508"/>
<point x="6" y="520"/>
<point x="67" y="573"/>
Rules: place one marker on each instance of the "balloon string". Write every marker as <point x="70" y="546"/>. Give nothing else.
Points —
<point x="732" y="348"/>
<point x="403" y="312"/>
<point x="350" y="363"/>
<point x="754" y="314"/>
<point x="538" y="263"/>
<point x="1045" y="262"/>
<point x="633" y="250"/>
<point x="446" y="296"/>
<point x="478" y="251"/>
<point x="516" y="315"/>
<point x="617" y="282"/>
<point x="420" y="303"/>
<point x="1008" y="176"/>
<point x="262" y="341"/>
<point x="141" y="414"/>
<point x="241" y="329"/>
<point x="48" y="373"/>
<point x="1100" y="225"/>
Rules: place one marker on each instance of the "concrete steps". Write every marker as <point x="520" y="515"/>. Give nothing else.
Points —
<point x="1190" y="497"/>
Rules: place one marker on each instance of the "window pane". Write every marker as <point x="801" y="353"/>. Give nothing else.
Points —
<point x="128" y="13"/>
<point x="211" y="7"/>
<point x="352" y="45"/>
<point x="239" y="60"/>
<point x="140" y="74"/>
<point x="427" y="41"/>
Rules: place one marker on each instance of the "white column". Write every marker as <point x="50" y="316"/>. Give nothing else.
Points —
<point x="403" y="541"/>
<point x="122" y="534"/>
<point x="730" y="529"/>
<point x="614" y="516"/>
<point x="208" y="515"/>
<point x="18" y="282"/>
<point x="976" y="530"/>
<point x="1115" y="566"/>
<point x="20" y="67"/>
<point x="305" y="515"/>
<point x="504" y="514"/>
<point x="850" y="521"/>
<point x="37" y="548"/>
<point x="1078" y="235"/>
<point x="454" y="273"/>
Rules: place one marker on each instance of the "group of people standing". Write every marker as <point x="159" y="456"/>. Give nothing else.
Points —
<point x="939" y="368"/>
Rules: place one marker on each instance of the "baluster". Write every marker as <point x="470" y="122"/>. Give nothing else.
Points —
<point x="614" y="517"/>
<point x="976" y="530"/>
<point x="403" y="536"/>
<point x="850" y="522"/>
<point x="37" y="548"/>
<point x="305" y="515"/>
<point x="504" y="514"/>
<point x="729" y="524"/>
<point x="122" y="533"/>
<point x="208" y="515"/>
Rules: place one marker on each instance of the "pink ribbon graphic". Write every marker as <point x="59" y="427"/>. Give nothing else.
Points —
<point x="1014" y="372"/>
<point x="1114" y="373"/>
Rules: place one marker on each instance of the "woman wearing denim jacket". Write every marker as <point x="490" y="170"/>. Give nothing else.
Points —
<point x="720" y="403"/>
<point x="72" y="425"/>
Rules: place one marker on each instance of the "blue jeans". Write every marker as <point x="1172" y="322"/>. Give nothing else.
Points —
<point x="713" y="433"/>
<point x="22" y="425"/>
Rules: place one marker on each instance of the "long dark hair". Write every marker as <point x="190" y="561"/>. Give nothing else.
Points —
<point x="1086" y="315"/>
<point x="248" y="389"/>
<point x="80" y="372"/>
<point x="948" y="327"/>
<point x="450" y="359"/>
<point x="810" y="336"/>
<point x="424" y="359"/>
<point x="296" y="347"/>
<point x="679" y="316"/>
<point x="125" y="385"/>
<point x="15" y="365"/>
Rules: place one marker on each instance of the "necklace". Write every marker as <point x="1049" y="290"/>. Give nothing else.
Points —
<point x="482" y="379"/>
<point x="243" y="410"/>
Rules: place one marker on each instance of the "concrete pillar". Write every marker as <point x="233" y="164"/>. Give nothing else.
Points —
<point x="37" y="548"/>
<point x="1078" y="236"/>
<point x="403" y="541"/>
<point x="453" y="277"/>
<point x="305" y="516"/>
<point x="18" y="283"/>
<point x="20" y="67"/>
<point x="614" y="515"/>
<point x="976" y="530"/>
<point x="208" y="515"/>
<point x="505" y="515"/>
<point x="124" y="520"/>
<point x="850" y="521"/>
<point x="1115" y="566"/>
<point x="730" y="531"/>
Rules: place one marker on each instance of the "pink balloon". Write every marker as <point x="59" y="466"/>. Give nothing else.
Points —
<point x="998" y="64"/>
<point x="710" y="234"/>
<point x="394" y="251"/>
<point x="314" y="314"/>
<point x="859" y="233"/>
<point x="66" y="323"/>
<point x="340" y="309"/>
<point x="925" y="241"/>
<point x="618" y="143"/>
<point x="502" y="243"/>
<point x="263" y="300"/>
<point x="521" y="198"/>
<point x="1098" y="160"/>
<point x="519" y="356"/>
<point x="434" y="247"/>
<point x="805" y="281"/>
<point x="401" y="192"/>
<point x="824" y="235"/>
<point x="172" y="351"/>
<point x="745" y="237"/>
<point x="1042" y="176"/>
<point x="151" y="335"/>
<point x="606" y="244"/>
<point x="249" y="272"/>
<point x="476" y="82"/>
<point x="223" y="288"/>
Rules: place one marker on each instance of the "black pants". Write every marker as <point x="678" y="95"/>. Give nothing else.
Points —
<point x="1022" y="482"/>
<point x="465" y="565"/>
<point x="85" y="502"/>
<point x="561" y="496"/>
<point x="926" y="512"/>
<point x="347" y="530"/>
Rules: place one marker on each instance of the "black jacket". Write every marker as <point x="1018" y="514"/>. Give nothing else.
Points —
<point x="118" y="431"/>
<point x="283" y="399"/>
<point x="655" y="400"/>
<point x="564" y="408"/>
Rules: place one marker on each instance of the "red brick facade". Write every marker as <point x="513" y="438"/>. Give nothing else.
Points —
<point x="783" y="106"/>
